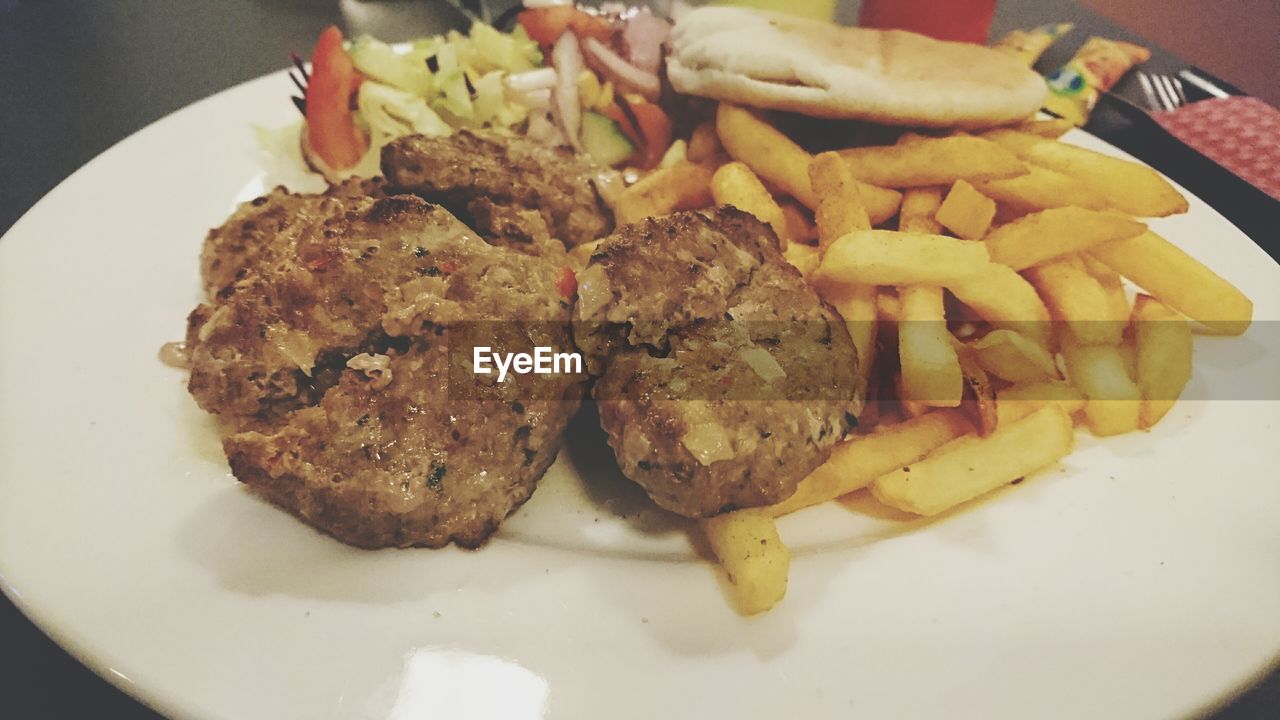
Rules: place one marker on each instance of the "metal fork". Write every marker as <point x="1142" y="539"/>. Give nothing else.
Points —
<point x="1162" y="91"/>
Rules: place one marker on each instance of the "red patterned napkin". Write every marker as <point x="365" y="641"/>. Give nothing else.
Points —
<point x="1240" y="133"/>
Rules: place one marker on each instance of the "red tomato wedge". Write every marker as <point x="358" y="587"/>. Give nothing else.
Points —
<point x="545" y="25"/>
<point x="331" y="130"/>
<point x="652" y="137"/>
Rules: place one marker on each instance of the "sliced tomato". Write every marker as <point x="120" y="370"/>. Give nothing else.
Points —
<point x="652" y="137"/>
<point x="331" y="129"/>
<point x="545" y="25"/>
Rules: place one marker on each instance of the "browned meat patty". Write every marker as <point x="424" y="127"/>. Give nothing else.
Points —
<point x="485" y="179"/>
<point x="329" y="363"/>
<point x="726" y="379"/>
<point x="268" y="226"/>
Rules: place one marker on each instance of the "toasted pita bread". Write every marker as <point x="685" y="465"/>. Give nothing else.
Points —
<point x="781" y="62"/>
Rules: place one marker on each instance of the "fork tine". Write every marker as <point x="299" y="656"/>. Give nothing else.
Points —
<point x="1148" y="91"/>
<point x="1177" y="86"/>
<point x="302" y="86"/>
<point x="1165" y="92"/>
<point x="1172" y="91"/>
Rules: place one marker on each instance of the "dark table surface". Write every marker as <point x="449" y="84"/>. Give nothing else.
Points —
<point x="79" y="76"/>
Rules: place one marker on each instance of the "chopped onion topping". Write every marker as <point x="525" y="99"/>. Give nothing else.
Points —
<point x="540" y="79"/>
<point x="567" y="56"/>
<point x="763" y="363"/>
<point x="620" y="71"/>
<point x="708" y="442"/>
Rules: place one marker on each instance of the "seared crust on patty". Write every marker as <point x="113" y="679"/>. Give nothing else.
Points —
<point x="726" y="379"/>
<point x="482" y="178"/>
<point x="329" y="364"/>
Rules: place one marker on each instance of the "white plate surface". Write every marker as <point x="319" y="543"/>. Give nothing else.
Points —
<point x="1139" y="579"/>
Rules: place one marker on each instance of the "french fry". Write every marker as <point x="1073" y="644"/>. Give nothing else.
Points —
<point x="1163" y="341"/>
<point x="1113" y="398"/>
<point x="776" y="159"/>
<point x="1128" y="186"/>
<point x="919" y="205"/>
<point x="734" y="184"/>
<point x="930" y="369"/>
<point x="970" y="466"/>
<point x="1041" y="189"/>
<point x="1078" y="299"/>
<point x="966" y="212"/>
<point x="750" y="551"/>
<point x="839" y="210"/>
<point x="888" y="307"/>
<point x="1011" y="356"/>
<point x="1180" y="281"/>
<point x="884" y="257"/>
<point x="855" y="463"/>
<point x="1004" y="298"/>
<point x="683" y="186"/>
<point x="932" y="161"/>
<point x="1112" y="284"/>
<point x="856" y="304"/>
<point x="1021" y="399"/>
<point x="800" y="224"/>
<point x="805" y="258"/>
<point x="704" y="144"/>
<point x="1051" y="128"/>
<point x="1045" y="235"/>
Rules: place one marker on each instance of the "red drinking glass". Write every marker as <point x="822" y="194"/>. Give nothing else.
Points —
<point x="961" y="20"/>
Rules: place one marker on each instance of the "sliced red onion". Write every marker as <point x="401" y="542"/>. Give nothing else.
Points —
<point x="567" y="57"/>
<point x="644" y="35"/>
<point x="539" y="79"/>
<point x="626" y="75"/>
<point x="544" y="130"/>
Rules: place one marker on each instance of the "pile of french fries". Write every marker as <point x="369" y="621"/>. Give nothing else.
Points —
<point x="981" y="278"/>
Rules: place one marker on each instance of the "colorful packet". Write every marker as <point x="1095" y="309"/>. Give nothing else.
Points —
<point x="1097" y="66"/>
<point x="1029" y="45"/>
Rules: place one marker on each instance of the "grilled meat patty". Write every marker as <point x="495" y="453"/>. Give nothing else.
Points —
<point x="726" y="379"/>
<point x="324" y="348"/>
<point x="502" y="186"/>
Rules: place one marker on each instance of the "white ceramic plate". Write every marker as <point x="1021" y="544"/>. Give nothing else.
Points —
<point x="1138" y="579"/>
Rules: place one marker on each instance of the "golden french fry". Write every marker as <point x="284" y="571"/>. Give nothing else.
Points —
<point x="1099" y="371"/>
<point x="750" y="551"/>
<point x="1077" y="298"/>
<point x="918" y="208"/>
<point x="683" y="186"/>
<point x="885" y="257"/>
<point x="1021" y="399"/>
<point x="805" y="258"/>
<point x="704" y="144"/>
<point x="1011" y="356"/>
<point x="734" y="184"/>
<point x="857" y="306"/>
<point x="971" y="466"/>
<point x="930" y="369"/>
<point x="1179" y="281"/>
<point x="856" y="462"/>
<point x="840" y="210"/>
<point x="1163" y="341"/>
<point x="800" y="224"/>
<point x="932" y="161"/>
<point x="776" y="159"/>
<point x="1004" y="298"/>
<point x="888" y="308"/>
<point x="1112" y="283"/>
<point x="966" y="212"/>
<point x="1045" y="235"/>
<point x="1042" y="189"/>
<point x="1128" y="186"/>
<point x="1051" y="128"/>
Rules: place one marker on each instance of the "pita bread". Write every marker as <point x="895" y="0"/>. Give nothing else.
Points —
<point x="781" y="62"/>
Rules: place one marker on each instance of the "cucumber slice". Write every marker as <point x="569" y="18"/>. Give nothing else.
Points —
<point x="604" y="140"/>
